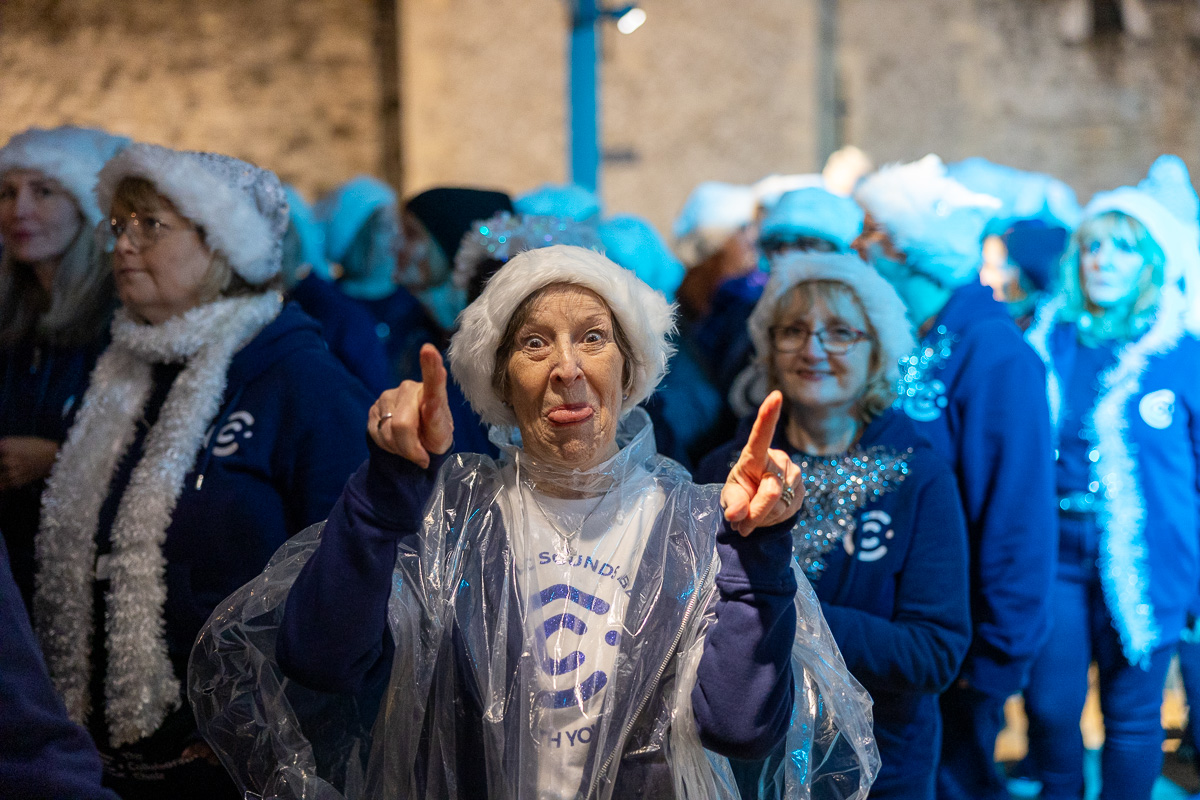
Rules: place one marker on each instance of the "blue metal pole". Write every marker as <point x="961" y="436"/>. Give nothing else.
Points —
<point x="581" y="97"/>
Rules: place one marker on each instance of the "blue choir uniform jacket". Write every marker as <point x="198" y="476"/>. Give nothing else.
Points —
<point x="1145" y="438"/>
<point x="350" y="331"/>
<point x="895" y="596"/>
<point x="289" y="433"/>
<point x="976" y="391"/>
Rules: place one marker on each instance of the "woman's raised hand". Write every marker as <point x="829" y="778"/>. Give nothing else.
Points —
<point x="764" y="487"/>
<point x="413" y="420"/>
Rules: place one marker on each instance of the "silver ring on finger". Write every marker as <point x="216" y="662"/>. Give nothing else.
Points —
<point x="384" y="418"/>
<point x="788" y="495"/>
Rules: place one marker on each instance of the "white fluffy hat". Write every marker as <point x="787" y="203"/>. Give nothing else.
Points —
<point x="645" y="316"/>
<point x="933" y="219"/>
<point x="72" y="156"/>
<point x="242" y="208"/>
<point x="885" y="310"/>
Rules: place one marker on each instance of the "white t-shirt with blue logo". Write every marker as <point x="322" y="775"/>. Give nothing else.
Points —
<point x="576" y="606"/>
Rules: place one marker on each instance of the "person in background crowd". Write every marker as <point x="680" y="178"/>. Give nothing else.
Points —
<point x="43" y="754"/>
<point x="563" y="200"/>
<point x="362" y="235"/>
<point x="434" y="224"/>
<point x="216" y="425"/>
<point x="881" y="535"/>
<point x="1121" y="353"/>
<point x="560" y="625"/>
<point x="808" y="220"/>
<point x="975" y="390"/>
<point x="56" y="300"/>
<point x="348" y="328"/>
<point x="1032" y="252"/>
<point x="714" y="237"/>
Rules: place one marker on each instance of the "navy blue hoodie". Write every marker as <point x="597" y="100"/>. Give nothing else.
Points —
<point x="42" y="753"/>
<point x="896" y="598"/>
<point x="287" y="437"/>
<point x="978" y="394"/>
<point x="350" y="331"/>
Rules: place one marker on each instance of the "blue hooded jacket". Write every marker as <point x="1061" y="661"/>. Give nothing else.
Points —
<point x="895" y="597"/>
<point x="288" y="435"/>
<point x="977" y="392"/>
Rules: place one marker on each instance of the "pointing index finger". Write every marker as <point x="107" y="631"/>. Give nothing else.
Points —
<point x="763" y="432"/>
<point x="433" y="374"/>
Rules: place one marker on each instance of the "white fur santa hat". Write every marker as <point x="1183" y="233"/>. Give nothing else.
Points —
<point x="72" y="156"/>
<point x="933" y="219"/>
<point x="645" y="316"/>
<point x="242" y="208"/>
<point x="884" y="309"/>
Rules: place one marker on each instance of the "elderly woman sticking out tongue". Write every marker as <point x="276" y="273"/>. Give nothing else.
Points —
<point x="577" y="619"/>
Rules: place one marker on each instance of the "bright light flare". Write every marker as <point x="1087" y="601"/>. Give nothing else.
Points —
<point x="631" y="20"/>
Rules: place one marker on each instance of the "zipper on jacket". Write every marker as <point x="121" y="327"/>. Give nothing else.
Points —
<point x="687" y="615"/>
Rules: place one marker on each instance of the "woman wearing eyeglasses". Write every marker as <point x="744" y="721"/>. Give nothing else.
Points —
<point x="881" y="535"/>
<point x="56" y="299"/>
<point x="217" y="424"/>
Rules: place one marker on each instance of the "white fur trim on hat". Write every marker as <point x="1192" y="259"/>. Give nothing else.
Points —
<point x="645" y="316"/>
<point x="71" y="156"/>
<point x="933" y="219"/>
<point x="885" y="310"/>
<point x="241" y="207"/>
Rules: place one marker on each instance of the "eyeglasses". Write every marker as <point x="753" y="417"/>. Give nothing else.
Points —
<point x="835" y="341"/>
<point x="143" y="232"/>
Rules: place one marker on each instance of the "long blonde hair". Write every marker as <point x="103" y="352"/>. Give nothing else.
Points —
<point x="1144" y="309"/>
<point x="78" y="306"/>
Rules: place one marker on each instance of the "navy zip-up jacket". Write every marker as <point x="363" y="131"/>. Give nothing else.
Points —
<point x="334" y="635"/>
<point x="288" y="435"/>
<point x="896" y="598"/>
<point x="978" y="394"/>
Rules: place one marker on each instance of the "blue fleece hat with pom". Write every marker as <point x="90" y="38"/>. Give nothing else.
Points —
<point x="634" y="244"/>
<point x="816" y="213"/>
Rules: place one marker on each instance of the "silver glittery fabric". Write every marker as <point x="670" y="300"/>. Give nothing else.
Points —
<point x="836" y="489"/>
<point x="920" y="395"/>
<point x="262" y="185"/>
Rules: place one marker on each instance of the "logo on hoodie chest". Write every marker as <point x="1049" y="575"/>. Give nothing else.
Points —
<point x="237" y="429"/>
<point x="1157" y="409"/>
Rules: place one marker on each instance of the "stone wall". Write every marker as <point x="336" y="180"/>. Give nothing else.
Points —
<point x="991" y="78"/>
<point x="706" y="89"/>
<point x="289" y="84"/>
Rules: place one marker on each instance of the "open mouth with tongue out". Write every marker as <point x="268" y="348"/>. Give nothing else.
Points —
<point x="570" y="413"/>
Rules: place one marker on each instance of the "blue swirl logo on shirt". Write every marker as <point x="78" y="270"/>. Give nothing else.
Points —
<point x="565" y="623"/>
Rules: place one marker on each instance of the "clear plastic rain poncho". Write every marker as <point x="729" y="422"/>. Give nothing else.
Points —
<point x="479" y="676"/>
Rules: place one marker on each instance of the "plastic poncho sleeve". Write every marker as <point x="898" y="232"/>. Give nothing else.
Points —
<point x="337" y="646"/>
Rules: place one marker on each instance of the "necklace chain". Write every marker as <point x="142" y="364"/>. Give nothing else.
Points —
<point x="565" y="546"/>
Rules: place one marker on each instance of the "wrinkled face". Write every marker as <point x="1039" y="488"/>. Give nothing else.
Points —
<point x="38" y="217"/>
<point x="1110" y="266"/>
<point x="165" y="272"/>
<point x="565" y="378"/>
<point x="811" y="377"/>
